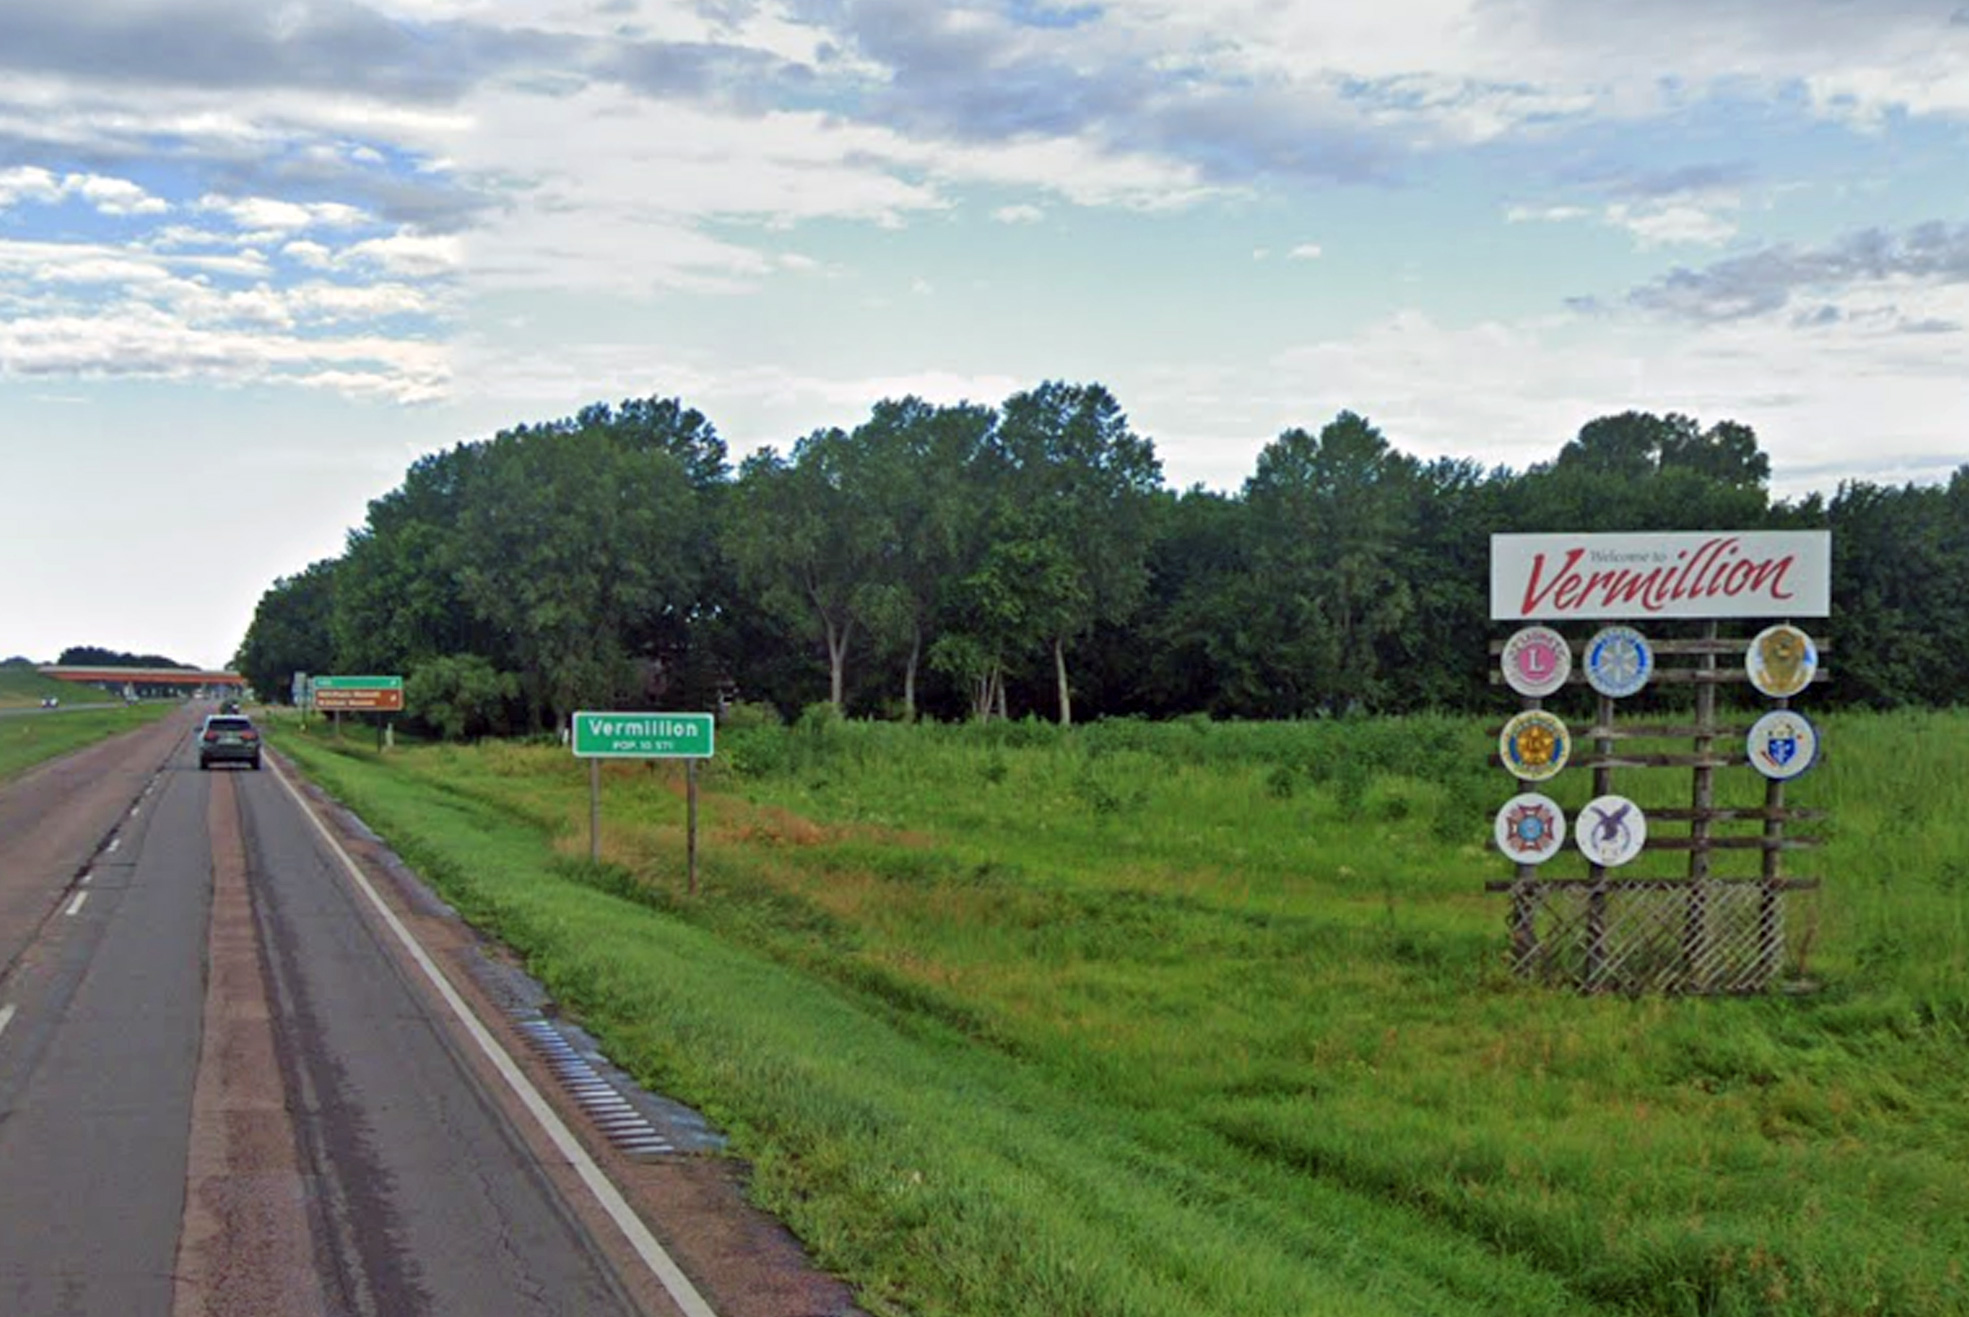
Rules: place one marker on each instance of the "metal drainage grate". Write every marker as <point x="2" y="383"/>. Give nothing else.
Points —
<point x="624" y="1126"/>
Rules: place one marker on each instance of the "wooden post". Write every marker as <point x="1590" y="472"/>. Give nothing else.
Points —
<point x="1596" y="899"/>
<point x="594" y="811"/>
<point x="690" y="792"/>
<point x="1695" y="922"/>
<point x="1770" y="900"/>
<point x="1524" y="904"/>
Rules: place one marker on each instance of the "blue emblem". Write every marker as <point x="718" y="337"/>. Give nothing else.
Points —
<point x="1619" y="661"/>
<point x="1782" y="744"/>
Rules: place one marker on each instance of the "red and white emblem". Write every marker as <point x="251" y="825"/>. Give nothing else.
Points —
<point x="1536" y="661"/>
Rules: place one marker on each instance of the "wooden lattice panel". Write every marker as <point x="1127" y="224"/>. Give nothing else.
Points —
<point x="1653" y="935"/>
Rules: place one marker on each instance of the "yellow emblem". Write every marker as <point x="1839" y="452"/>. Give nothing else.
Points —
<point x="1782" y="660"/>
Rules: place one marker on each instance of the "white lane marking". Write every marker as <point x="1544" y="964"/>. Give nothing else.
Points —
<point x="665" y="1268"/>
<point x="76" y="904"/>
<point x="6" y="1016"/>
<point x="86" y="876"/>
<point x="136" y="809"/>
<point x="114" y="842"/>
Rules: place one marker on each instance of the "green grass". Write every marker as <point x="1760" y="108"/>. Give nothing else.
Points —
<point x="33" y="738"/>
<point x="22" y="686"/>
<point x="1188" y="1019"/>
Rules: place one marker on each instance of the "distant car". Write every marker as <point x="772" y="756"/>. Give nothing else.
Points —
<point x="228" y="738"/>
<point x="230" y="706"/>
<point x="50" y="702"/>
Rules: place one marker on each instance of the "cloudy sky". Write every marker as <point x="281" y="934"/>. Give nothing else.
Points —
<point x="258" y="255"/>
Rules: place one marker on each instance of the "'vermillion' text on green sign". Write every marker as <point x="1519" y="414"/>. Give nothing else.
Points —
<point x="643" y="735"/>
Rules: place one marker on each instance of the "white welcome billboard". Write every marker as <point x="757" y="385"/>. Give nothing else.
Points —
<point x="1777" y="573"/>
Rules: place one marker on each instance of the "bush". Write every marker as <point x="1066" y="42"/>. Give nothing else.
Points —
<point x="746" y="716"/>
<point x="463" y="696"/>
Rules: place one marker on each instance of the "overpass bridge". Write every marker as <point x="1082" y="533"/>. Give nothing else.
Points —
<point x="151" y="682"/>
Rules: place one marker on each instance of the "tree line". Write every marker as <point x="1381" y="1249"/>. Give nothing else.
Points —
<point x="969" y="561"/>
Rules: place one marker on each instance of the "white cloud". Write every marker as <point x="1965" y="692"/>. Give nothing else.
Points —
<point x="305" y="251"/>
<point x="115" y="196"/>
<point x="266" y="215"/>
<point x="1651" y="223"/>
<point x="1306" y="251"/>
<point x="149" y="342"/>
<point x="28" y="183"/>
<point x="1657" y="226"/>
<point x="1018" y="214"/>
<point x="1546" y="214"/>
<point x="414" y="255"/>
<point x="109" y="196"/>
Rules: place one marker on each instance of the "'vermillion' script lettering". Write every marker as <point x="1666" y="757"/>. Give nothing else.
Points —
<point x="1716" y="567"/>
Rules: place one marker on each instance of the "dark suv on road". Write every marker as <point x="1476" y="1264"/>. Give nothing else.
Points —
<point x="228" y="738"/>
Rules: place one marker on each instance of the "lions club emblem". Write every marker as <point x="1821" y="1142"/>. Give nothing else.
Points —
<point x="1530" y="828"/>
<point x="1534" y="745"/>
<point x="1536" y="661"/>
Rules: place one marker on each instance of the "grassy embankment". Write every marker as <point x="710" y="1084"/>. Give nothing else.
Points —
<point x="1196" y="1020"/>
<point x="24" y="687"/>
<point x="29" y="739"/>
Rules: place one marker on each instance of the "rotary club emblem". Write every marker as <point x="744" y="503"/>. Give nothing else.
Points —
<point x="1782" y="744"/>
<point x="1530" y="828"/>
<point x="1781" y="661"/>
<point x="1536" y="661"/>
<point x="1534" y="745"/>
<point x="1619" y="661"/>
<point x="1611" y="830"/>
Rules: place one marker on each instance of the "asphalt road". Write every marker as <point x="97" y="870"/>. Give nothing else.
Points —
<point x="221" y="1090"/>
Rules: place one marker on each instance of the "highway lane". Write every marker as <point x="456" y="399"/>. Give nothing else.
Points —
<point x="344" y="1154"/>
<point x="97" y="1061"/>
<point x="430" y="1199"/>
<point x="248" y="1066"/>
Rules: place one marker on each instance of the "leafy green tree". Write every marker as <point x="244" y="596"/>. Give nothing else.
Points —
<point x="1065" y="458"/>
<point x="918" y="464"/>
<point x="462" y="696"/>
<point x="94" y="656"/>
<point x="809" y="540"/>
<point x="1330" y="516"/>
<point x="1437" y="659"/>
<point x="290" y="631"/>
<point x="398" y="602"/>
<point x="1187" y="644"/>
<point x="566" y="541"/>
<point x="1012" y="594"/>
<point x="666" y="425"/>
<point x="1900" y="586"/>
<point x="1638" y="471"/>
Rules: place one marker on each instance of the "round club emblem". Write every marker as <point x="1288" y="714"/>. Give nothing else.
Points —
<point x="1536" y="661"/>
<point x="1619" y="661"/>
<point x="1530" y="828"/>
<point x="1782" y="744"/>
<point x="1781" y="661"/>
<point x="1610" y="831"/>
<point x="1535" y="745"/>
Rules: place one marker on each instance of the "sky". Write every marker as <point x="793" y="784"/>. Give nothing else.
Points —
<point x="257" y="256"/>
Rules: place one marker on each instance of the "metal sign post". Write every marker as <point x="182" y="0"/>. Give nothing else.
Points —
<point x="599" y="736"/>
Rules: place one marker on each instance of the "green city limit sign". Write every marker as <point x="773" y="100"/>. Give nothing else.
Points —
<point x="643" y="735"/>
